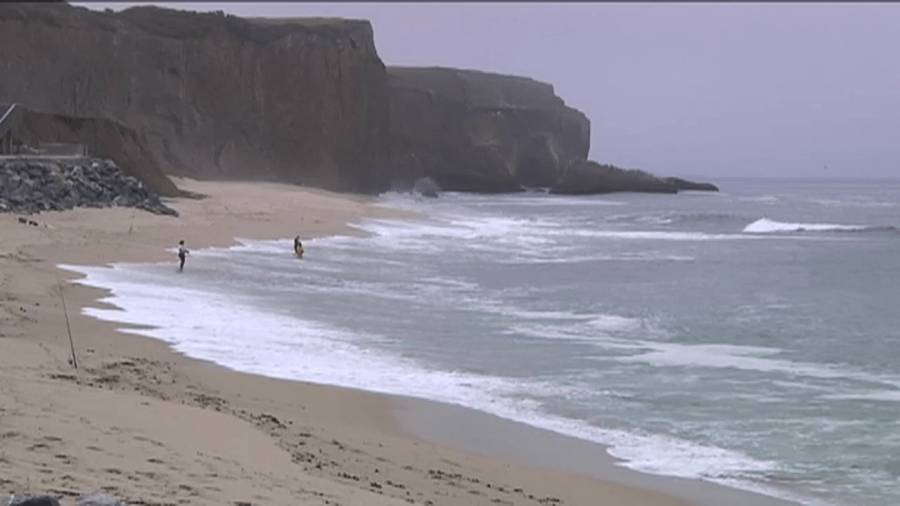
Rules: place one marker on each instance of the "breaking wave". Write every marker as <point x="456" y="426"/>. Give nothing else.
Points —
<point x="767" y="226"/>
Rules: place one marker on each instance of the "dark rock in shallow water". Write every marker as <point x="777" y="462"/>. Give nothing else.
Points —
<point x="683" y="184"/>
<point x="31" y="186"/>
<point x="426" y="187"/>
<point x="583" y="177"/>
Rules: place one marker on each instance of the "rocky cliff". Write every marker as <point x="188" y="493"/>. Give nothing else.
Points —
<point x="481" y="132"/>
<point x="304" y="101"/>
<point x="210" y="95"/>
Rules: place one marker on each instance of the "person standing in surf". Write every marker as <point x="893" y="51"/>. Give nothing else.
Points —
<point x="182" y="254"/>
<point x="298" y="247"/>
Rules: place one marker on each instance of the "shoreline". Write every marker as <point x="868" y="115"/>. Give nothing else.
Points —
<point x="378" y="419"/>
<point x="492" y="436"/>
<point x="497" y="437"/>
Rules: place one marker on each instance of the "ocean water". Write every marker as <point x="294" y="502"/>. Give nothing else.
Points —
<point x="747" y="337"/>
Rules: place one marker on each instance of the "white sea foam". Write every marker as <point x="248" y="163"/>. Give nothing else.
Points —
<point x="851" y="203"/>
<point x="544" y="315"/>
<point x="542" y="200"/>
<point x="655" y="235"/>
<point x="875" y="395"/>
<point x="611" y="323"/>
<point x="522" y="237"/>
<point x="655" y="220"/>
<point x="562" y="202"/>
<point x="748" y="358"/>
<point x="766" y="226"/>
<point x="765" y="199"/>
<point x="575" y="259"/>
<point x="508" y="240"/>
<point x="602" y="338"/>
<point x="213" y="327"/>
<point x="452" y="233"/>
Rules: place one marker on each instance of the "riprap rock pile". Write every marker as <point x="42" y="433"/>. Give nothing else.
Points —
<point x="31" y="186"/>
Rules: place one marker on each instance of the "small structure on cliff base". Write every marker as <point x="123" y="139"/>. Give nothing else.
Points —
<point x="58" y="174"/>
<point x="9" y="114"/>
<point x="13" y="145"/>
<point x="29" y="134"/>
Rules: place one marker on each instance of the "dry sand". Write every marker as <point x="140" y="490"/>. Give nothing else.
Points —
<point x="147" y="425"/>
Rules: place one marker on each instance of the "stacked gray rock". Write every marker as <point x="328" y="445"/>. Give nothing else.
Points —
<point x="33" y="185"/>
<point x="93" y="498"/>
<point x="30" y="500"/>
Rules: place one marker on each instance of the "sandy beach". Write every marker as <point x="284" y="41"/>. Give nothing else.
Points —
<point x="150" y="426"/>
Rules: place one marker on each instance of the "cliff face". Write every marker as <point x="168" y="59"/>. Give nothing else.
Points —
<point x="481" y="132"/>
<point x="303" y="101"/>
<point x="103" y="138"/>
<point x="211" y="96"/>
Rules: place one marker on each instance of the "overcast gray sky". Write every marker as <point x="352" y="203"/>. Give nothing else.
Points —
<point x="771" y="89"/>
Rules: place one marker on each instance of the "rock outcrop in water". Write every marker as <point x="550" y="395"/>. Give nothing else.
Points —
<point x="30" y="185"/>
<point x="211" y="95"/>
<point x="481" y="132"/>
<point x="584" y="177"/>
<point x="426" y="187"/>
<point x="683" y="184"/>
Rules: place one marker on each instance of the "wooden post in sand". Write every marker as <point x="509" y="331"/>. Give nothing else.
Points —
<point x="68" y="327"/>
<point x="130" y="227"/>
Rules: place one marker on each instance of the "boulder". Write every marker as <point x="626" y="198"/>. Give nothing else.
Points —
<point x="426" y="187"/>
<point x="32" y="186"/>
<point x="30" y="500"/>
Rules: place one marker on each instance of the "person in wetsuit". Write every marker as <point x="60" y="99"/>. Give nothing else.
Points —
<point x="298" y="247"/>
<point x="182" y="254"/>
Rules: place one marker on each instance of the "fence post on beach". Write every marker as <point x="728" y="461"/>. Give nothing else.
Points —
<point x="132" y="220"/>
<point x="68" y="327"/>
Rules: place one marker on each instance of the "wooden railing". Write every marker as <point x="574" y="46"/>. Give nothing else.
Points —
<point x="10" y="113"/>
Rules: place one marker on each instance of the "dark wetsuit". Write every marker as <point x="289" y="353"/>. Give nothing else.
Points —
<point x="182" y="253"/>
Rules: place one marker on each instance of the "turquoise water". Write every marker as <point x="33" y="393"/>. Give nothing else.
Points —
<point x="746" y="337"/>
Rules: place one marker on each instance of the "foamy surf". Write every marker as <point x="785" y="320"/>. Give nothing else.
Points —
<point x="210" y="326"/>
<point x="767" y="226"/>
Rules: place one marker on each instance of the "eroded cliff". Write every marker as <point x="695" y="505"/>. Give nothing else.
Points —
<point x="210" y="95"/>
<point x="481" y="132"/>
